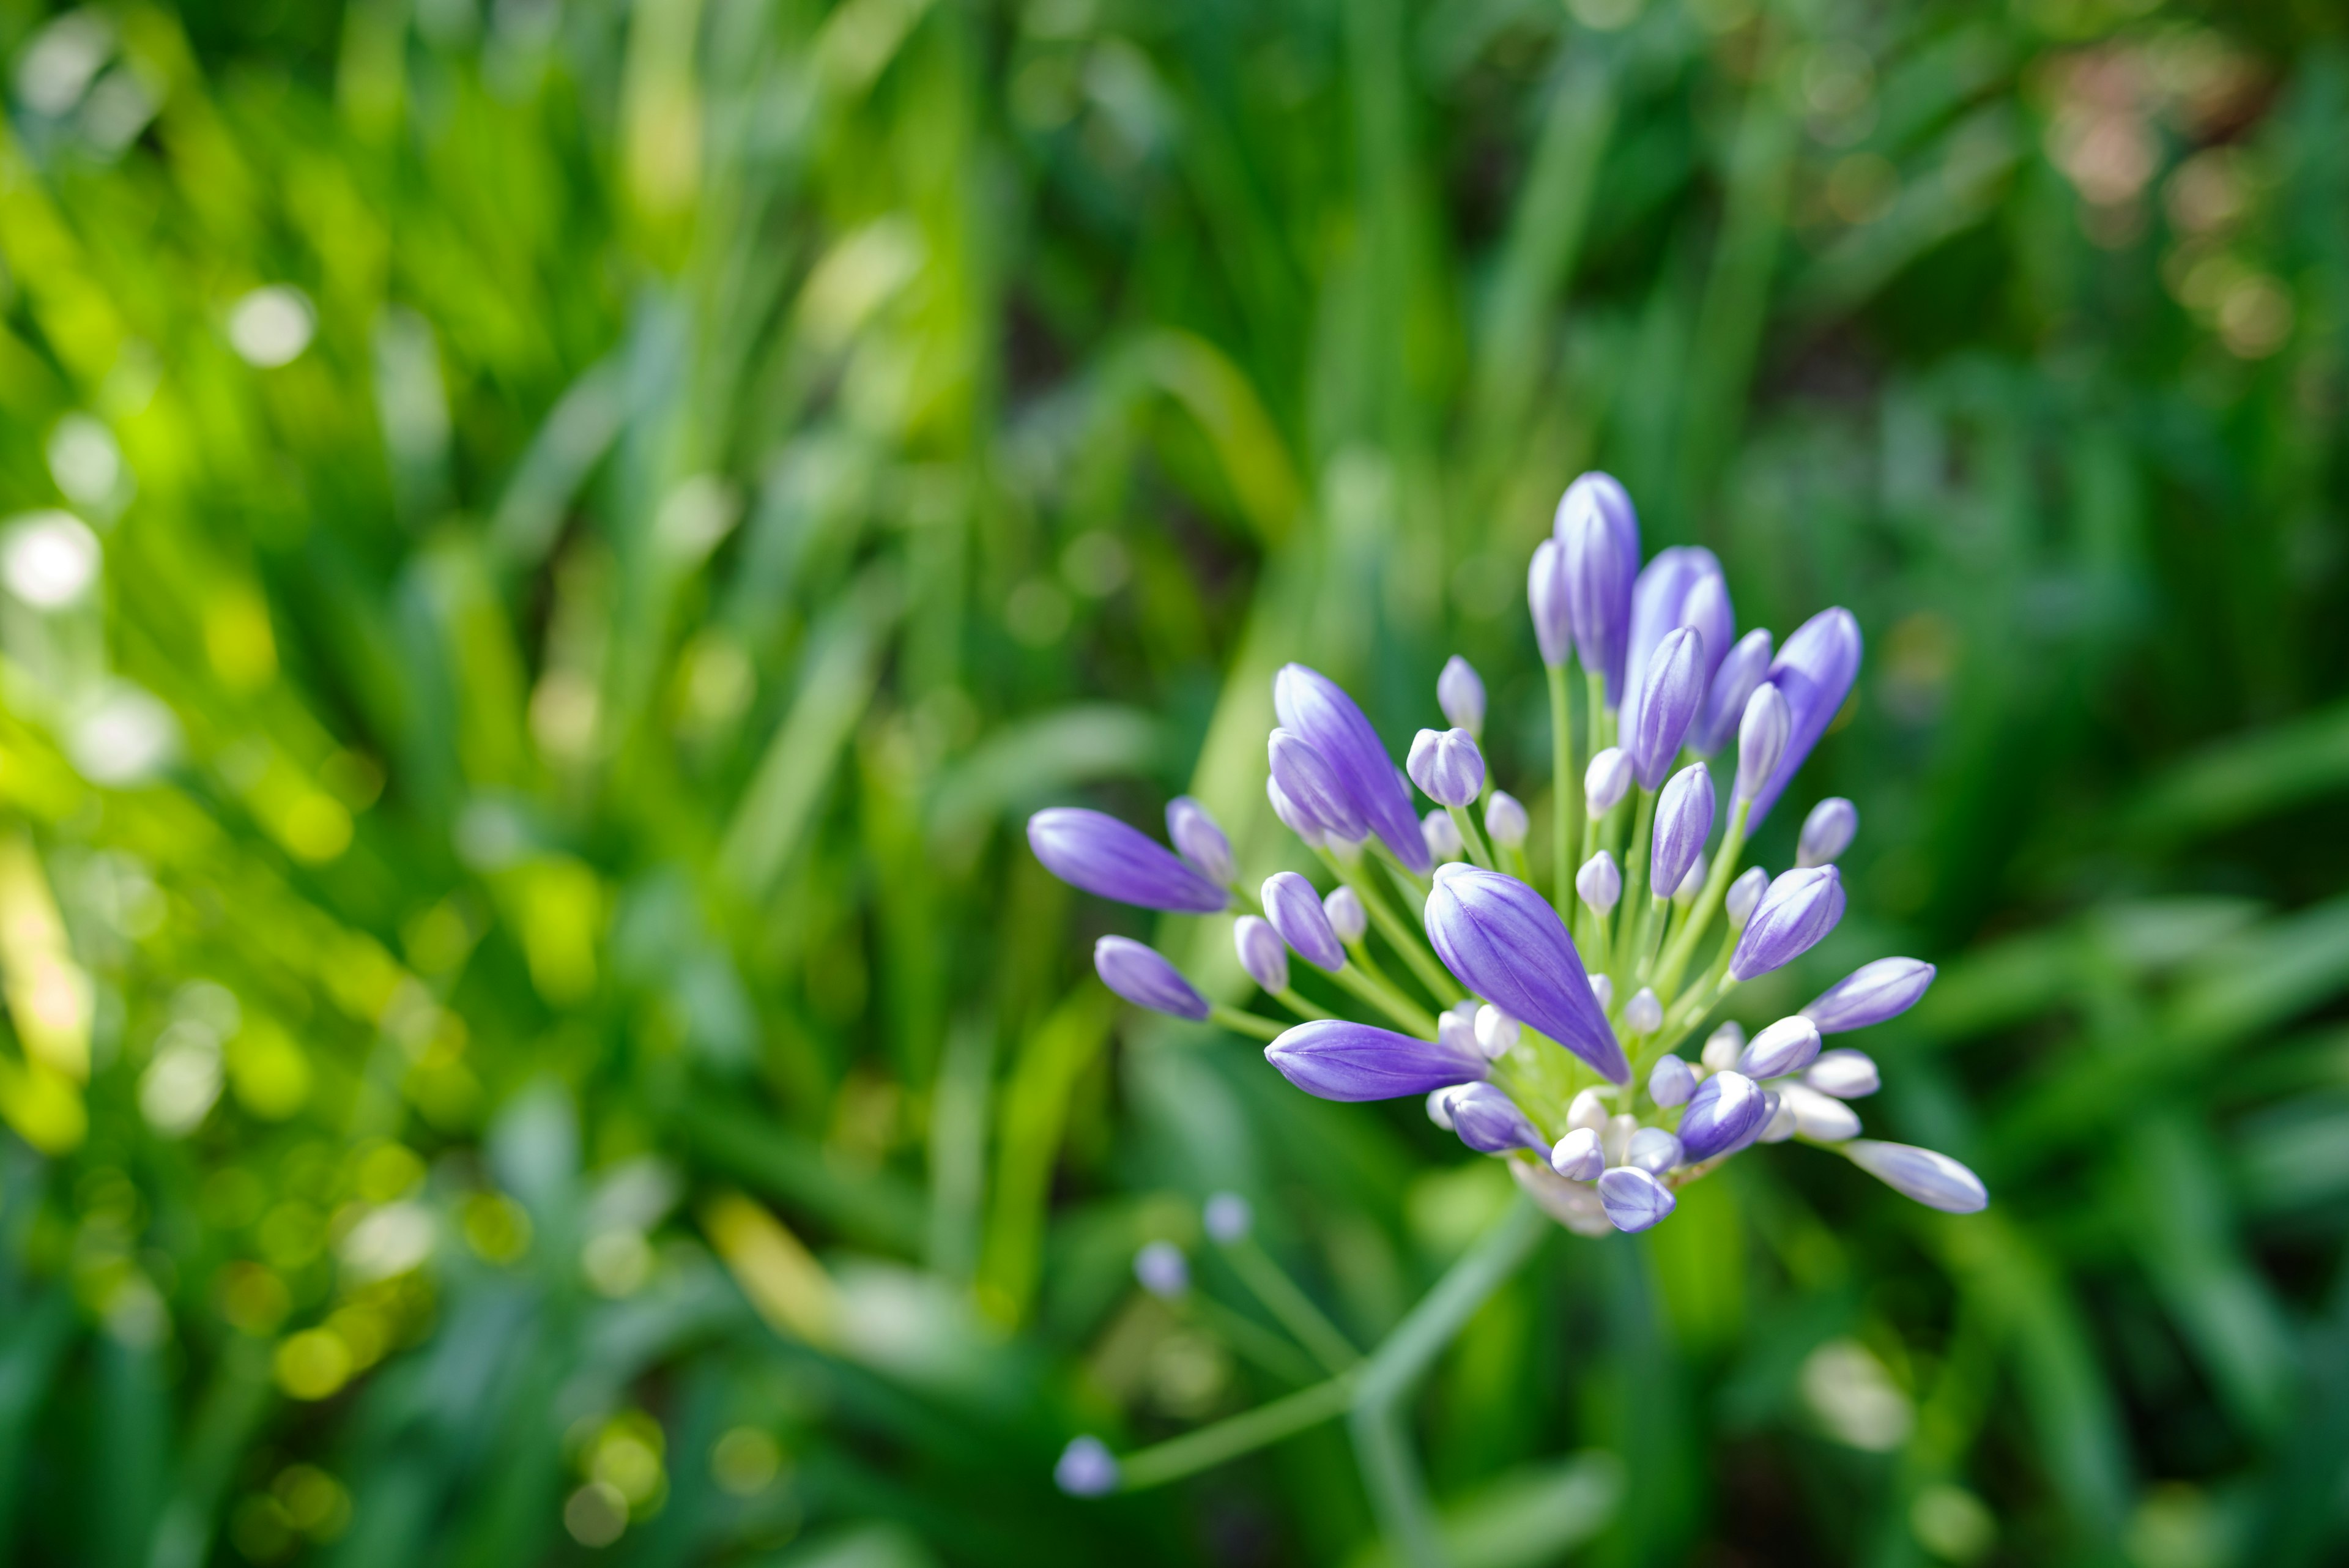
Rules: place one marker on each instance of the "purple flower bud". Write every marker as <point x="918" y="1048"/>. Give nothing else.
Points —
<point x="1827" y="832"/>
<point x="1101" y="855"/>
<point x="1870" y="995"/>
<point x="1295" y="821"/>
<point x="1446" y="766"/>
<point x="1761" y="739"/>
<point x="1681" y="586"/>
<point x="1723" y="1116"/>
<point x="1818" y="1116"/>
<point x="1311" y="705"/>
<point x="1086" y="1469"/>
<point x="1228" y="1218"/>
<point x="1602" y="990"/>
<point x="1497" y="1032"/>
<point x="1800" y="907"/>
<point x="1606" y="781"/>
<point x="1489" y="1121"/>
<point x="1456" y="1028"/>
<point x="1684" y="822"/>
<point x="1666" y="703"/>
<point x="1933" y="1180"/>
<point x="1439" y="1106"/>
<point x="1140" y="975"/>
<point x="1198" y="840"/>
<point x="1786" y="1046"/>
<point x="1654" y="1150"/>
<point x="1743" y="893"/>
<point x="1692" y="882"/>
<point x="1815" y="671"/>
<point x="1847" y="1074"/>
<point x="1312" y="786"/>
<point x="1577" y="1157"/>
<point x="1779" y="1124"/>
<point x="1732" y="687"/>
<point x="1599" y="884"/>
<point x="1546" y="597"/>
<point x="1348" y="919"/>
<point x="1334" y="1059"/>
<point x="1461" y="695"/>
<point x="1161" y="1269"/>
<point x="1295" y="910"/>
<point x="1262" y="953"/>
<point x="1442" y="834"/>
<point x="1723" y="1046"/>
<point x="1506" y="822"/>
<point x="1505" y="943"/>
<point x="1643" y="1014"/>
<point x="1598" y="535"/>
<point x="1670" y="1082"/>
<point x="1588" y="1109"/>
<point x="1634" y="1200"/>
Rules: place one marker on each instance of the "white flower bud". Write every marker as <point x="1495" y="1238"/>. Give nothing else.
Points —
<point x="1643" y="1014"/>
<point x="1589" y="1110"/>
<point x="1497" y="1032"/>
<point x="1723" y="1046"/>
<point x="1607" y="781"/>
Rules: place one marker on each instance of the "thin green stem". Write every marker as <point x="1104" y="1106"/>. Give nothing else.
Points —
<point x="1392" y="1003"/>
<point x="1513" y="861"/>
<point x="1253" y="1340"/>
<point x="1565" y="792"/>
<point x="1399" y="936"/>
<point x="1676" y="957"/>
<point x="1471" y="839"/>
<point x="1240" y="1021"/>
<point x="1635" y="880"/>
<point x="1286" y="1301"/>
<point x="1287" y="996"/>
<point x="1595" y="685"/>
<point x="1241" y="1434"/>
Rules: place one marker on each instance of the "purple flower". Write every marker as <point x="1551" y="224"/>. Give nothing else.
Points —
<point x="1506" y="822"/>
<point x="1670" y="1082"/>
<point x="1599" y="884"/>
<point x="1743" y="893"/>
<point x="1579" y="1156"/>
<point x="1443" y="835"/>
<point x="1461" y="695"/>
<point x="1654" y="1150"/>
<point x="1313" y="706"/>
<point x="1682" y="586"/>
<point x="1683" y="821"/>
<point x="1667" y="701"/>
<point x="1228" y="1218"/>
<point x="1313" y="787"/>
<point x="1197" y="838"/>
<point x="1295" y="821"/>
<point x="1725" y="698"/>
<point x="1546" y="597"/>
<point x="1634" y="1201"/>
<point x="1815" y="671"/>
<point x="1827" y="832"/>
<point x="1099" y="854"/>
<point x="1505" y="942"/>
<point x="1800" y="907"/>
<point x="1606" y="781"/>
<point x="1295" y="910"/>
<point x="1489" y="1121"/>
<point x="1870" y="995"/>
<point x="1933" y="1180"/>
<point x="1599" y="536"/>
<point x="1161" y="1269"/>
<point x="1333" y="1059"/>
<point x="1846" y="1074"/>
<point x="1139" y="974"/>
<point x="1086" y="1469"/>
<point x="1446" y="766"/>
<point x="1723" y="1116"/>
<point x="1761" y="739"/>
<point x="1786" y="1046"/>
<point x="1262" y="953"/>
<point x="1348" y="919"/>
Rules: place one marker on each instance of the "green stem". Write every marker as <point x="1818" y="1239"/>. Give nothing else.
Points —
<point x="1243" y="1023"/>
<point x="1288" y="1302"/>
<point x="1514" y="862"/>
<point x="1635" y="880"/>
<point x="1392" y="1003"/>
<point x="1716" y="887"/>
<point x="1597" y="686"/>
<point x="1470" y="838"/>
<point x="1244" y="1433"/>
<point x="1289" y="998"/>
<point x="1399" y="936"/>
<point x="1566" y="794"/>
<point x="1251" y="1339"/>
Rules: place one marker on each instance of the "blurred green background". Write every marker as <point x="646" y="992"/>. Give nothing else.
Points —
<point x="552" y="543"/>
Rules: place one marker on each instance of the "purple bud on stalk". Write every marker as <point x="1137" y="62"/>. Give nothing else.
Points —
<point x="1684" y="822"/>
<point x="1827" y="832"/>
<point x="1732" y="686"/>
<point x="1335" y="1059"/>
<point x="1505" y="943"/>
<point x="1262" y="953"/>
<point x="1446" y="766"/>
<point x="1139" y="974"/>
<point x="1723" y="1046"/>
<point x="1461" y="695"/>
<point x="1295" y="821"/>
<point x="1634" y="1201"/>
<point x="1681" y="586"/>
<point x="1228" y="1218"/>
<point x="1848" y="1075"/>
<point x="1456" y="1028"/>
<point x="1933" y="1180"/>
<point x="1786" y="1046"/>
<point x="1870" y="995"/>
<point x="1779" y="1124"/>
<point x="1801" y="907"/>
<point x="1546" y="597"/>
<point x="1602" y="990"/>
<point x="1666" y="703"/>
<point x="1085" y="1468"/>
<point x="1579" y="1156"/>
<point x="1817" y="1117"/>
<point x="1506" y="822"/>
<point x="1489" y="1121"/>
<point x="1692" y="882"/>
<point x="1442" y="834"/>
<point x="1348" y="919"/>
<point x="1497" y="1032"/>
<point x="1599" y="534"/>
<point x="1743" y="893"/>
<point x="1643" y="1014"/>
<point x="1588" y="1109"/>
<point x="1815" y="671"/>
<point x="1761" y="739"/>
<point x="1313" y="706"/>
<point x="1439" y="1106"/>
<point x="1654" y="1150"/>
<point x="1198" y="840"/>
<point x="1606" y="781"/>
<point x="1161" y="1269"/>
<point x="1723" y="1116"/>
<point x="1599" y="884"/>
<point x="1670" y="1082"/>
<point x="1308" y="779"/>
<point x="1099" y="854"/>
<point x="1295" y="910"/>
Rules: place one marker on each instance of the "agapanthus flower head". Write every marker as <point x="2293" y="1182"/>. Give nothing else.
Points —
<point x="1442" y="834"/>
<point x="1348" y="919"/>
<point x="1684" y="822"/>
<point x="1460" y="692"/>
<point x="1262" y="953"/>
<point x="1446" y="766"/>
<point x="1506" y="822"/>
<point x="1198" y="840"/>
<point x="1336" y="1059"/>
<point x="1681" y="586"/>
<point x="1870" y="995"/>
<point x="1800" y="908"/>
<point x="1295" y="910"/>
<point x="1827" y="832"/>
<point x="1313" y="706"/>
<point x="1665" y="705"/>
<point x="1100" y="855"/>
<point x="1607" y="781"/>
<point x="1815" y="671"/>
<point x="1501" y="940"/>
<point x="1732" y="686"/>
<point x="1489" y="1121"/>
<point x="1597" y="531"/>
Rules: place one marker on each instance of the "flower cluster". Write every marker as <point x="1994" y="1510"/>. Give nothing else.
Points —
<point x="1548" y="1031"/>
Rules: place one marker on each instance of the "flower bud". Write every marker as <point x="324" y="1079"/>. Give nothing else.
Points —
<point x="1161" y="1270"/>
<point x="1602" y="990"/>
<point x="1761" y="740"/>
<point x="1670" y="1082"/>
<point x="1546" y="597"/>
<point x="1504" y="943"/>
<point x="1446" y="766"/>
<point x="1847" y="1074"/>
<point x="1197" y="838"/>
<point x="1615" y="1138"/>
<point x="1933" y="1180"/>
<point x="1315" y="708"/>
<point x="1100" y="855"/>
<point x="1489" y="1121"/>
<point x="1815" y="671"/>
<point x="1599" y="534"/>
<point x="1870" y="995"/>
<point x="1577" y="1157"/>
<point x="1827" y="832"/>
<point x="1139" y="974"/>
<point x="1313" y="787"/>
<point x="1786" y="1046"/>
<point x="1634" y="1200"/>
<point x="1665" y="704"/>
<point x="1723" y="1046"/>
<point x="1723" y="1116"/>
<point x="1684" y="822"/>
<point x="1497" y="1032"/>
<point x="1295" y="910"/>
<point x="1733" y="687"/>
<point x="1262" y="953"/>
<point x="1295" y="821"/>
<point x="1589" y="1110"/>
<point x="1441" y="835"/>
<point x="1461" y="695"/>
<point x="1439" y="1106"/>
<point x="1692" y="883"/>
<point x="1654" y="1150"/>
<point x="1506" y="822"/>
<point x="1779" y="1124"/>
<point x="1599" y="884"/>
<point x="1800" y="908"/>
<point x="1819" y="1117"/>
<point x="1086" y="1469"/>
<point x="1336" y="1059"/>
<point x="1228" y="1218"/>
<point x="1643" y="1014"/>
<point x="1681" y="586"/>
<point x="1743" y="893"/>
<point x="1347" y="916"/>
<point x="1606" y="781"/>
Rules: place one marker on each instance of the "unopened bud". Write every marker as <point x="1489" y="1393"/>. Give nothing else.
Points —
<point x="1228" y="1218"/>
<point x="1461" y="695"/>
<point x="1348" y="919"/>
<point x="1442" y="834"/>
<point x="1633" y="1199"/>
<point x="1086" y="1469"/>
<point x="1743" y="893"/>
<point x="1670" y="1082"/>
<point x="1821" y="1117"/>
<point x="1587" y="1110"/>
<point x="1603" y="987"/>
<point x="1446" y="766"/>
<point x="1599" y="884"/>
<point x="1606" y="781"/>
<point x="1506" y="822"/>
<point x="1577" y="1157"/>
<point x="1439" y="1109"/>
<point x="1497" y="1032"/>
<point x="1781" y="1124"/>
<point x="1643" y="1014"/>
<point x="1162" y="1269"/>
<point x="1723" y="1046"/>
<point x="1761" y="740"/>
<point x="1262" y="953"/>
<point x="1786" y="1046"/>
<point x="1827" y="832"/>
<point x="1846" y="1074"/>
<point x="1654" y="1150"/>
